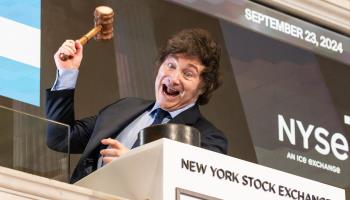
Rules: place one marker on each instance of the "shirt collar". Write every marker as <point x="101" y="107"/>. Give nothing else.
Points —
<point x="174" y="113"/>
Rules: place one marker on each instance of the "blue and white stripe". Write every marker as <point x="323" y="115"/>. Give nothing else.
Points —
<point x="20" y="50"/>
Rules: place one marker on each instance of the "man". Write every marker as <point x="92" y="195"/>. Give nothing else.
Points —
<point x="188" y="72"/>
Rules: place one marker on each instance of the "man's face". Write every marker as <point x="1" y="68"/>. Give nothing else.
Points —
<point x="178" y="82"/>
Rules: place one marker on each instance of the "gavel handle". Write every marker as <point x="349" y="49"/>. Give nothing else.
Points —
<point x="83" y="40"/>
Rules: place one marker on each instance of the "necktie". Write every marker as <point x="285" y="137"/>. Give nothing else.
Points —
<point x="160" y="115"/>
<point x="158" y="118"/>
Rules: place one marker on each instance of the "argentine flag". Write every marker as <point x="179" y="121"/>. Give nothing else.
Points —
<point x="20" y="50"/>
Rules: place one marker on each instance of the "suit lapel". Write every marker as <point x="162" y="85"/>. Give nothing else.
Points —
<point x="188" y="117"/>
<point x="113" y="119"/>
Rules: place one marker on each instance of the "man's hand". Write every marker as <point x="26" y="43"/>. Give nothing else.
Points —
<point x="70" y="48"/>
<point x="115" y="150"/>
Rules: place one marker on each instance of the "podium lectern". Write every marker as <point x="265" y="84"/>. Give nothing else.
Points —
<point x="166" y="170"/>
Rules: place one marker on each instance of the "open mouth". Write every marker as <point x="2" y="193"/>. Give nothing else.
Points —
<point x="170" y="91"/>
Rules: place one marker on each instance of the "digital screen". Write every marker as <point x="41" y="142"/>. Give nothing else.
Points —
<point x="291" y="78"/>
<point x="20" y="50"/>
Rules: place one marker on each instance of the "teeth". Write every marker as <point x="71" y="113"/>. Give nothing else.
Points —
<point x="172" y="90"/>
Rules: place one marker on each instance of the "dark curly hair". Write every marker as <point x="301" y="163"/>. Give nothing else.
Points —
<point x="196" y="43"/>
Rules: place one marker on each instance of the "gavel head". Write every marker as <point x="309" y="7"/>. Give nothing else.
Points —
<point x="104" y="17"/>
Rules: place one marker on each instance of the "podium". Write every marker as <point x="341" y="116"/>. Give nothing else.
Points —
<point x="166" y="170"/>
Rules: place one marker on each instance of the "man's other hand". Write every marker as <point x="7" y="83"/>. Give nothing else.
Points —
<point x="114" y="150"/>
<point x="73" y="49"/>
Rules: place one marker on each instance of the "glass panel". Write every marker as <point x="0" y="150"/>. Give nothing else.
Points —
<point x="23" y="145"/>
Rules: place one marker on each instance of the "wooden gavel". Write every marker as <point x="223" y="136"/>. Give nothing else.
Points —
<point x="103" y="29"/>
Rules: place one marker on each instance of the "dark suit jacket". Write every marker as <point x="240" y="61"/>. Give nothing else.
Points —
<point x="86" y="134"/>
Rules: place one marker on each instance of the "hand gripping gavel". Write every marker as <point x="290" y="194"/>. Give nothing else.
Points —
<point x="103" y="29"/>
